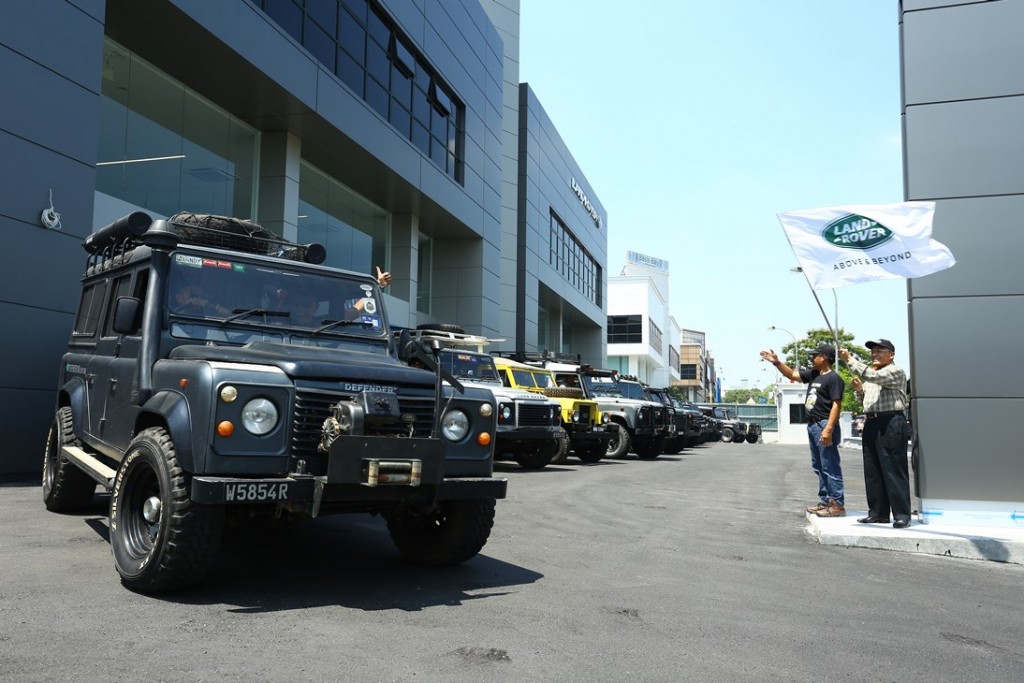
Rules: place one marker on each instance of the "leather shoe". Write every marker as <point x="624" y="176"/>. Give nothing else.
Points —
<point x="901" y="524"/>
<point x="872" y="520"/>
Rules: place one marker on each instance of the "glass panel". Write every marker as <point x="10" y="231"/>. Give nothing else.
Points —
<point x="357" y="7"/>
<point x="377" y="96"/>
<point x="355" y="231"/>
<point x="352" y="36"/>
<point x="420" y="137"/>
<point x="424" y="273"/>
<point x="350" y="71"/>
<point x="319" y="44"/>
<point x="164" y="148"/>
<point x="399" y="118"/>
<point x="285" y="14"/>
<point x="324" y="12"/>
<point x="377" y="63"/>
<point x="377" y="29"/>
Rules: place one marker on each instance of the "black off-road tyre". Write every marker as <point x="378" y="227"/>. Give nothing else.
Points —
<point x="648" y="448"/>
<point x="65" y="487"/>
<point x="178" y="548"/>
<point x="455" y="532"/>
<point x="592" y="453"/>
<point x="674" y="445"/>
<point x="620" y="443"/>
<point x="537" y="458"/>
<point x="562" y="452"/>
<point x="728" y="435"/>
<point x="751" y="438"/>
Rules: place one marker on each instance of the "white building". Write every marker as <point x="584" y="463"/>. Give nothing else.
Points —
<point x="643" y="338"/>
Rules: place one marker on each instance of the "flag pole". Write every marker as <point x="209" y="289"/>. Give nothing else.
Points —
<point x="835" y="331"/>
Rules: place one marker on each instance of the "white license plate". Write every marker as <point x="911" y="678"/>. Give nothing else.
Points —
<point x="255" y="492"/>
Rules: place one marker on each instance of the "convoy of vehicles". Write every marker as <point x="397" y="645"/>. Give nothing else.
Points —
<point x="217" y="374"/>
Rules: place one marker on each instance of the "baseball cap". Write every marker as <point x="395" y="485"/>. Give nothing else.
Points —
<point x="884" y="343"/>
<point x="824" y="349"/>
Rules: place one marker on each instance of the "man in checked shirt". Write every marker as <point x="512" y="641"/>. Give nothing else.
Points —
<point x="881" y="388"/>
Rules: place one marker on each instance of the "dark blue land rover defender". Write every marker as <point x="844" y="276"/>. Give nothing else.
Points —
<point x="216" y="370"/>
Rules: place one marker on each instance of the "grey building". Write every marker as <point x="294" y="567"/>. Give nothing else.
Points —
<point x="377" y="127"/>
<point x="963" y="101"/>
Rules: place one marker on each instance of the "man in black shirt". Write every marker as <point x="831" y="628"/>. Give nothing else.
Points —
<point x="824" y="402"/>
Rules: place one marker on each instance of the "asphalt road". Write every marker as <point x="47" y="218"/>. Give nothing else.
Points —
<point x="691" y="567"/>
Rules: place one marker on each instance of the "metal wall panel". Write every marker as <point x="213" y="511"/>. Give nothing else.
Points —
<point x="948" y="54"/>
<point x="965" y="149"/>
<point x="985" y="236"/>
<point x="969" y="449"/>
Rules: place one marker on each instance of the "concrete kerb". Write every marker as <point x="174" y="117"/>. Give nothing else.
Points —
<point x="968" y="542"/>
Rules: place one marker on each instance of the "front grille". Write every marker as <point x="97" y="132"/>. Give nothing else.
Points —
<point x="534" y="415"/>
<point x="584" y="413"/>
<point x="313" y="406"/>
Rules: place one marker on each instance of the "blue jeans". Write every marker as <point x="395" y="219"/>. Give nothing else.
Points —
<point x="825" y="462"/>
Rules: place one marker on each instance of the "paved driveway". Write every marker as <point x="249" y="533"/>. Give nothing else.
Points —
<point x="691" y="567"/>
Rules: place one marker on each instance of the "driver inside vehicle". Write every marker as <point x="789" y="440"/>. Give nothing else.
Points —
<point x="191" y="299"/>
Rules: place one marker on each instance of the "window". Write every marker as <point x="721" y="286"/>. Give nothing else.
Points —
<point x="355" y="231"/>
<point x="357" y="41"/>
<point x="797" y="413"/>
<point x="573" y="262"/>
<point x="625" y="329"/>
<point x="163" y="147"/>
<point x="89" y="310"/>
<point x="687" y="372"/>
<point x="121" y="287"/>
<point x="673" y="357"/>
<point x="655" y="335"/>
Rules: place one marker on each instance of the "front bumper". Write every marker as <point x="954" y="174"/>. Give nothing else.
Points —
<point x="364" y="471"/>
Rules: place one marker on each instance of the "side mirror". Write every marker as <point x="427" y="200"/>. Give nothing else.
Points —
<point x="126" y="315"/>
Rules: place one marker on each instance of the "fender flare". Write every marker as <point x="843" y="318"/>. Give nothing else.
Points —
<point x="75" y="395"/>
<point x="170" y="409"/>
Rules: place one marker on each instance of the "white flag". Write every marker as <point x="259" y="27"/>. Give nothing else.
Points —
<point x="844" y="245"/>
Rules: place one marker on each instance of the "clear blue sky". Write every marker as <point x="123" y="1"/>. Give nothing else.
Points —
<point x="696" y="122"/>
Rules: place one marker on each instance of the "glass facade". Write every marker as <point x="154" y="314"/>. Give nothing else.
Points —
<point x="687" y="372"/>
<point x="573" y="262"/>
<point x="357" y="41"/>
<point x="625" y="329"/>
<point x="164" y="148"/>
<point x="356" y="232"/>
<point x="655" y="333"/>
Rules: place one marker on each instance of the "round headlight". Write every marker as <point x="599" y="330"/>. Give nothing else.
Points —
<point x="259" y="416"/>
<point x="605" y="419"/>
<point x="505" y="411"/>
<point x="455" y="425"/>
<point x="486" y="409"/>
<point x="575" y="416"/>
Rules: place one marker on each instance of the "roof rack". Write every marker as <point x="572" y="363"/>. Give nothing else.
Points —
<point x="114" y="243"/>
<point x="539" y="356"/>
<point x="455" y="339"/>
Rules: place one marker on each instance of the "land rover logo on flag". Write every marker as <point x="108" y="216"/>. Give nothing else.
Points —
<point x="854" y="231"/>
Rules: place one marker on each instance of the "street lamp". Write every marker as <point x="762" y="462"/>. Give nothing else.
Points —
<point x="796" y="347"/>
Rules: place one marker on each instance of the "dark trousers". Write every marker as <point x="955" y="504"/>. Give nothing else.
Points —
<point x="886" y="476"/>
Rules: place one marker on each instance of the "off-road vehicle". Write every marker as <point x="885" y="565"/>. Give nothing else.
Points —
<point x="529" y="428"/>
<point x="681" y="420"/>
<point x="642" y="425"/>
<point x="585" y="426"/>
<point x="732" y="428"/>
<point x="215" y="371"/>
<point x="698" y="424"/>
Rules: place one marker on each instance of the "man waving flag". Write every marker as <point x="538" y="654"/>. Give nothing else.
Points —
<point x="845" y="245"/>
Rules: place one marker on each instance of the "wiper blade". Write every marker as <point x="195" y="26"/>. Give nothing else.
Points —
<point x="330" y="324"/>
<point x="246" y="312"/>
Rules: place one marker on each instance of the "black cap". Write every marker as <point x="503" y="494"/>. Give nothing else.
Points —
<point x="884" y="343"/>
<point x="826" y="350"/>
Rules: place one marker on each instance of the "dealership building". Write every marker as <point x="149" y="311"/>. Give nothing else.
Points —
<point x="397" y="134"/>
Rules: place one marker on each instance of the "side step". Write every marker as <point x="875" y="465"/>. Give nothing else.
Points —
<point x="91" y="466"/>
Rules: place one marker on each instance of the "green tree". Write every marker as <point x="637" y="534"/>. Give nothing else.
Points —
<point x="744" y="395"/>
<point x="823" y="335"/>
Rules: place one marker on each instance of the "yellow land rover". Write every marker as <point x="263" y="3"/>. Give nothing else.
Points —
<point x="587" y="433"/>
